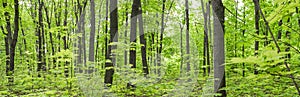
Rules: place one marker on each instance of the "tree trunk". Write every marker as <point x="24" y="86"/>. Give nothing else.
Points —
<point x="181" y="49"/>
<point x="205" y="40"/>
<point x="48" y="17"/>
<point x="161" y="35"/>
<point x="113" y="38"/>
<point x="219" y="54"/>
<point x="243" y="47"/>
<point x="92" y="37"/>
<point x="8" y="39"/>
<point x="256" y="4"/>
<point x="187" y="35"/>
<point x="210" y="37"/>
<point x="67" y="64"/>
<point x="133" y="25"/>
<point x="106" y="32"/>
<point x="125" y="36"/>
<point x="40" y="31"/>
<point x="142" y="40"/>
<point x="83" y="42"/>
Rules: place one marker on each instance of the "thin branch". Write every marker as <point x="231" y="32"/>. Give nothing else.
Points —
<point x="291" y="28"/>
<point x="234" y="14"/>
<point x="289" y="45"/>
<point x="3" y="30"/>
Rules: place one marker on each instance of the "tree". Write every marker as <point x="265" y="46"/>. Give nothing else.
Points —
<point x="40" y="32"/>
<point x="11" y="40"/>
<point x="219" y="54"/>
<point x="256" y="3"/>
<point x="187" y="34"/>
<point x="92" y="35"/>
<point x="161" y="34"/>
<point x="133" y="25"/>
<point x="142" y="40"/>
<point x="113" y="38"/>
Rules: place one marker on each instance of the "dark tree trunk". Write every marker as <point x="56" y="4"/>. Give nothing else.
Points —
<point x="106" y="32"/>
<point x="161" y="35"/>
<point x="280" y="30"/>
<point x="40" y="33"/>
<point x="219" y="54"/>
<point x="8" y="39"/>
<point x="142" y="40"/>
<point x="133" y="26"/>
<point x="48" y="19"/>
<point x="205" y="41"/>
<point x="210" y="37"/>
<point x="187" y="35"/>
<point x="67" y="64"/>
<point x="243" y="47"/>
<point x="256" y="4"/>
<point x="113" y="38"/>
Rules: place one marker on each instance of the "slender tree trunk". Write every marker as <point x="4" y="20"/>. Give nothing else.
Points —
<point x="280" y="30"/>
<point x="125" y="36"/>
<point x="41" y="63"/>
<point x="8" y="39"/>
<point x="67" y="64"/>
<point x="142" y="40"/>
<point x="297" y="11"/>
<point x="210" y="37"/>
<point x="219" y="54"/>
<point x="187" y="35"/>
<point x="98" y="35"/>
<point x="113" y="38"/>
<point x="243" y="47"/>
<point x="106" y="32"/>
<point x="48" y="19"/>
<point x="133" y="26"/>
<point x="83" y="42"/>
<point x="181" y="49"/>
<point x="92" y="37"/>
<point x="161" y="35"/>
<point x="257" y="17"/>
<point x="205" y="40"/>
<point x="80" y="25"/>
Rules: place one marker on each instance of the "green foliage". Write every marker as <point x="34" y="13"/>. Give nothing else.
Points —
<point x="67" y="74"/>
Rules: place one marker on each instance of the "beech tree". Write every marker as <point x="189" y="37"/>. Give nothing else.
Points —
<point x="219" y="53"/>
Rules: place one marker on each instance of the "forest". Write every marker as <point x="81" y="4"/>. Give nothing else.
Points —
<point x="149" y="48"/>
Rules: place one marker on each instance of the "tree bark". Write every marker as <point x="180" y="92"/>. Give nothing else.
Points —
<point x="187" y="35"/>
<point x="161" y="35"/>
<point x="113" y="38"/>
<point x="133" y="25"/>
<point x="205" y="41"/>
<point x="92" y="37"/>
<point x="256" y="4"/>
<point x="142" y="40"/>
<point x="8" y="39"/>
<point x="92" y="34"/>
<point x="125" y="36"/>
<point x="40" y="33"/>
<point x="219" y="54"/>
